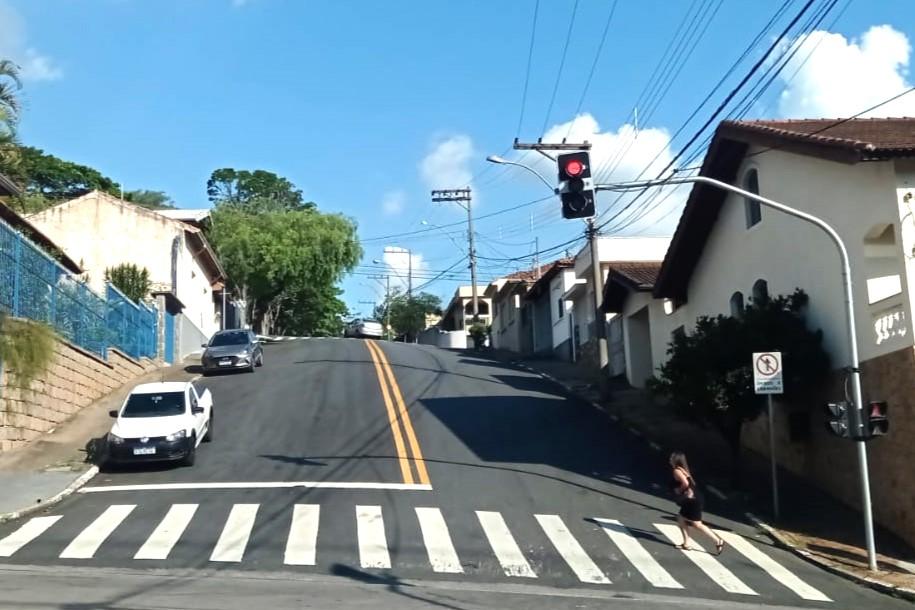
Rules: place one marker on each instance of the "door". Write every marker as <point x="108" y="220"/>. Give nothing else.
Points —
<point x="199" y="418"/>
<point x="169" y="338"/>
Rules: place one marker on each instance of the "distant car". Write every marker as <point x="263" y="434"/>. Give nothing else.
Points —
<point x="368" y="329"/>
<point x="232" y="350"/>
<point x="160" y="422"/>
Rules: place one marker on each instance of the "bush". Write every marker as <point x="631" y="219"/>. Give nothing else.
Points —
<point x="26" y="349"/>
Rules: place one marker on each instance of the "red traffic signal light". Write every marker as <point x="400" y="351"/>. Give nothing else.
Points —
<point x="877" y="422"/>
<point x="574" y="168"/>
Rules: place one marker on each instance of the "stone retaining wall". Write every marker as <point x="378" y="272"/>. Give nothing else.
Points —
<point x="831" y="463"/>
<point x="75" y="380"/>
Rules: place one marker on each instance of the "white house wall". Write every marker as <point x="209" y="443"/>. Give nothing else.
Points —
<point x="558" y="286"/>
<point x="789" y="253"/>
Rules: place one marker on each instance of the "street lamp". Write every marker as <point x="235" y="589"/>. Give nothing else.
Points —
<point x="849" y="314"/>
<point x="500" y="161"/>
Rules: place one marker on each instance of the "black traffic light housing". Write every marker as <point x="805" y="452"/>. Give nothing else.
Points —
<point x="876" y="423"/>
<point x="576" y="189"/>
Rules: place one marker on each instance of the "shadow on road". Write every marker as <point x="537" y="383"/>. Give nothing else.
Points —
<point x="389" y="581"/>
<point x="290" y="459"/>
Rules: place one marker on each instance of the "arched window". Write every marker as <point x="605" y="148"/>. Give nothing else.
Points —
<point x="760" y="291"/>
<point x="752" y="208"/>
<point x="737" y="304"/>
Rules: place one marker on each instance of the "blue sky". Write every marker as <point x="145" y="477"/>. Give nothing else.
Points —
<point x="367" y="105"/>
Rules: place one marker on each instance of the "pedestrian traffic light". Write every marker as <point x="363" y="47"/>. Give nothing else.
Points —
<point x="877" y="422"/>
<point x="576" y="189"/>
<point x="837" y="419"/>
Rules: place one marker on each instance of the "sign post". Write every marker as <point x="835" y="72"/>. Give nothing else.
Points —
<point x="767" y="379"/>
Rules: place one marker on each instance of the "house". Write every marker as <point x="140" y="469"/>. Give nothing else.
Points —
<point x="858" y="175"/>
<point x="550" y="329"/>
<point x="512" y="322"/>
<point x="626" y="300"/>
<point x="580" y="291"/>
<point x="458" y="315"/>
<point x="101" y="231"/>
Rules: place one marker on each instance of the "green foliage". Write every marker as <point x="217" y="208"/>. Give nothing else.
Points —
<point x="57" y="180"/>
<point x="709" y="377"/>
<point x="129" y="279"/>
<point x="478" y="332"/>
<point x="9" y="99"/>
<point x="284" y="260"/>
<point x="152" y="200"/>
<point x="26" y="349"/>
<point x="408" y="314"/>
<point x="257" y="191"/>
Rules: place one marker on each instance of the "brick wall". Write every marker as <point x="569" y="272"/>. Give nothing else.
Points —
<point x="831" y="463"/>
<point x="75" y="380"/>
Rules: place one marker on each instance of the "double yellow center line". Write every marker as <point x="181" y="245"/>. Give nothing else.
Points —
<point x="409" y="456"/>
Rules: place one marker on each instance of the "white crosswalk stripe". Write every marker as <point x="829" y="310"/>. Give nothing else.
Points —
<point x="637" y="555"/>
<point x="773" y="568"/>
<point x="167" y="534"/>
<point x="31" y="529"/>
<point x="373" y="544"/>
<point x="439" y="547"/>
<point x="719" y="574"/>
<point x="571" y="551"/>
<point x="504" y="546"/>
<point x="234" y="538"/>
<point x="90" y="539"/>
<point x="301" y="546"/>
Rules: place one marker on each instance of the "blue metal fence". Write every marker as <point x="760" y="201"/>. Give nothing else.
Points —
<point x="35" y="286"/>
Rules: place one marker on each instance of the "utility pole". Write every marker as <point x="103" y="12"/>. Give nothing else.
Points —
<point x="463" y="199"/>
<point x="387" y="302"/>
<point x="600" y="326"/>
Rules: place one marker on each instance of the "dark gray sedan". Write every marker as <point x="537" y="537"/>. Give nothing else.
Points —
<point x="230" y="350"/>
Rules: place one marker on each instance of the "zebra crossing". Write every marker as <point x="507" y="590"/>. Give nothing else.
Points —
<point x="515" y="560"/>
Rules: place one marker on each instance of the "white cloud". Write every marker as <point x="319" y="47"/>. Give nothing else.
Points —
<point x="398" y="261"/>
<point x="393" y="202"/>
<point x="843" y="77"/>
<point x="618" y="156"/>
<point x="34" y="65"/>
<point x="448" y="163"/>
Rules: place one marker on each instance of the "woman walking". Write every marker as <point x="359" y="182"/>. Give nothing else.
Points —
<point x="690" y="503"/>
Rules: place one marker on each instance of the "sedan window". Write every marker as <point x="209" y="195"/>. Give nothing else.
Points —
<point x="237" y="338"/>
<point x="154" y="405"/>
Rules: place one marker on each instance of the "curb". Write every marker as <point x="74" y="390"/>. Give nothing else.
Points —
<point x="781" y="542"/>
<point x="56" y="498"/>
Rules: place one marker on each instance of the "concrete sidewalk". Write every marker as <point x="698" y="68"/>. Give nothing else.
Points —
<point x="57" y="463"/>
<point x="813" y="524"/>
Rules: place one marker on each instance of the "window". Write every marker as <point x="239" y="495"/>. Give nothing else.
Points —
<point x="737" y="304"/>
<point x="760" y="291"/>
<point x="560" y="307"/>
<point x="752" y="208"/>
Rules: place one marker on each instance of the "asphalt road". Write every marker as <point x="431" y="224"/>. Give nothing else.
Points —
<point x="350" y="474"/>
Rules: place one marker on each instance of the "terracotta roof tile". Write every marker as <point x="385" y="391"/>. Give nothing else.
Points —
<point x="641" y="274"/>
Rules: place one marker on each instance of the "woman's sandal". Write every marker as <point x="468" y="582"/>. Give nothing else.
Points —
<point x="684" y="547"/>
<point x="719" y="546"/>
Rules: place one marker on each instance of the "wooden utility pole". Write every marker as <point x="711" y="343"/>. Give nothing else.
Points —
<point x="462" y="197"/>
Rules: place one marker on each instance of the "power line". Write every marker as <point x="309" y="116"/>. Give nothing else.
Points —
<point x="527" y="73"/>
<point x="439" y="276"/>
<point x="562" y="61"/>
<point x="597" y="55"/>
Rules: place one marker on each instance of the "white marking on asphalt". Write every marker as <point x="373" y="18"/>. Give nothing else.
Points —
<point x="166" y="535"/>
<point x="373" y="544"/>
<point x="570" y="549"/>
<point x="773" y="568"/>
<point x="90" y="539"/>
<point x="716" y="492"/>
<point x="303" y="535"/>
<point x="503" y="545"/>
<point x="637" y="555"/>
<point x="260" y="485"/>
<point x="31" y="529"/>
<point x="706" y="562"/>
<point x="438" y="542"/>
<point x="635" y="432"/>
<point x="615" y="418"/>
<point x="234" y="537"/>
<point x="654" y="445"/>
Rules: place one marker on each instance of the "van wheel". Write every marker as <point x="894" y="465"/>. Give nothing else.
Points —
<point x="191" y="456"/>
<point x="208" y="437"/>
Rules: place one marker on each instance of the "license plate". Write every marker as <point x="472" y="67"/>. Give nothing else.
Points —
<point x="225" y="362"/>
<point x="144" y="451"/>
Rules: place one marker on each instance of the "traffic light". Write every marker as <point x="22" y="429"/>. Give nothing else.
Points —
<point x="576" y="189"/>
<point x="837" y="419"/>
<point x="877" y="423"/>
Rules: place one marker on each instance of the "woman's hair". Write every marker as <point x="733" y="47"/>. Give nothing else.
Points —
<point x="678" y="459"/>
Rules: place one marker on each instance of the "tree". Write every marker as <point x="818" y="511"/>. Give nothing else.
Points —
<point x="152" y="200"/>
<point x="26" y="349"/>
<point x="9" y="99"/>
<point x="57" y="180"/>
<point x="285" y="263"/>
<point x="709" y="375"/>
<point x="259" y="190"/>
<point x="129" y="279"/>
<point x="408" y="314"/>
